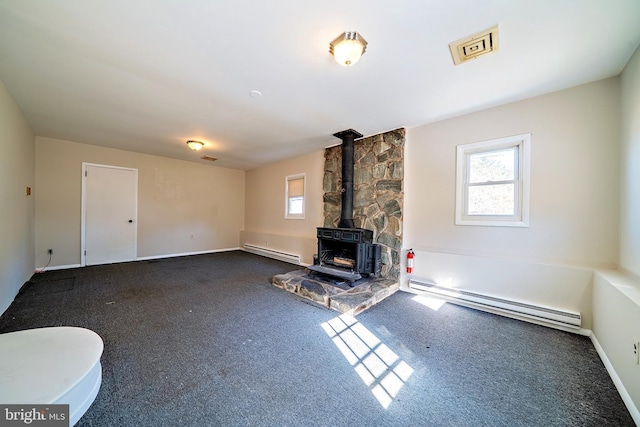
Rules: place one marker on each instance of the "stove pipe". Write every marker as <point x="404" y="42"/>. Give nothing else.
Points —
<point x="346" y="212"/>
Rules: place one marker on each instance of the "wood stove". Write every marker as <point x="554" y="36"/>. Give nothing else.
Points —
<point x="347" y="252"/>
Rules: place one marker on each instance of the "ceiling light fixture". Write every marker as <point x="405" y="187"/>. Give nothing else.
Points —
<point x="347" y="48"/>
<point x="195" y="145"/>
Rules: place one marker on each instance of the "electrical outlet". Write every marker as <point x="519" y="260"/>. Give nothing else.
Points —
<point x="50" y="251"/>
<point x="636" y="351"/>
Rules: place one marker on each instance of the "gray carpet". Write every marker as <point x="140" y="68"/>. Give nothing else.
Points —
<point x="206" y="340"/>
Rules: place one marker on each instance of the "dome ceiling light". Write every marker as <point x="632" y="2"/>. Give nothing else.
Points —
<point x="195" y="145"/>
<point x="347" y="48"/>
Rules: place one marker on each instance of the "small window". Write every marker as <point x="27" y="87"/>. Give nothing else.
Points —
<point x="294" y="196"/>
<point x="492" y="182"/>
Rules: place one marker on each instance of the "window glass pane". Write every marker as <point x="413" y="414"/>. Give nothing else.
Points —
<point x="493" y="165"/>
<point x="492" y="182"/>
<point x="491" y="200"/>
<point x="295" y="205"/>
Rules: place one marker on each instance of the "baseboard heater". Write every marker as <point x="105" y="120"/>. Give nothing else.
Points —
<point x="270" y="253"/>
<point x="500" y="305"/>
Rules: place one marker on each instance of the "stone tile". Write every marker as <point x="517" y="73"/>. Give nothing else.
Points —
<point x="341" y="298"/>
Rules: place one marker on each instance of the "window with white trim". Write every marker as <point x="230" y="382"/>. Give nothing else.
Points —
<point x="492" y="182"/>
<point x="295" y="186"/>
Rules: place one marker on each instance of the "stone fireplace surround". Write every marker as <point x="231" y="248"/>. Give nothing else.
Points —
<point x="378" y="196"/>
<point x="378" y="206"/>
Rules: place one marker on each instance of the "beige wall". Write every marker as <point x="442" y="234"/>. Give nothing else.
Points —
<point x="574" y="179"/>
<point x="265" y="224"/>
<point x="616" y="294"/>
<point x="616" y="324"/>
<point x="16" y="208"/>
<point x="630" y="168"/>
<point x="574" y="199"/>
<point x="183" y="207"/>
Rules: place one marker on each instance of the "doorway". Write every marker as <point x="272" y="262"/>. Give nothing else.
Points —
<point x="109" y="217"/>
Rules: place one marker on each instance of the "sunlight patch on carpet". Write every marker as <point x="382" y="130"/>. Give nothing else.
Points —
<point x="432" y="302"/>
<point x="379" y="367"/>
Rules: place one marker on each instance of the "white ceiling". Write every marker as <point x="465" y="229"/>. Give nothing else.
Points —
<point x="147" y="75"/>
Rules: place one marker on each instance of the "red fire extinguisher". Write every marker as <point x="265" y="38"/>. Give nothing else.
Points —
<point x="410" y="256"/>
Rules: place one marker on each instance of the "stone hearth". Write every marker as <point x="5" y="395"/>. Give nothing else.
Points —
<point x="339" y="297"/>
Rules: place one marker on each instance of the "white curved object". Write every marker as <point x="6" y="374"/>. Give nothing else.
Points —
<point x="58" y="365"/>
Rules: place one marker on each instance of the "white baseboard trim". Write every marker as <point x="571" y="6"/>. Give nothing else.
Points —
<point x="56" y="267"/>
<point x="584" y="332"/>
<point x="211" y="251"/>
<point x="626" y="398"/>
<point x="144" y="258"/>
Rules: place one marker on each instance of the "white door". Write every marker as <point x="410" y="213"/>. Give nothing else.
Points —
<point x="110" y="202"/>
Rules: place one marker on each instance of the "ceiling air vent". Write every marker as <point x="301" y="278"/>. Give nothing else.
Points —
<point x="211" y="159"/>
<point x="474" y="46"/>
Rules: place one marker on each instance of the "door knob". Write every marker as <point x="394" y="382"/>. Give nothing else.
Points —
<point x="130" y="221"/>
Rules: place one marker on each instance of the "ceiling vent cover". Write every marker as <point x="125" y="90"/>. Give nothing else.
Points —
<point x="211" y="159"/>
<point x="474" y="46"/>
